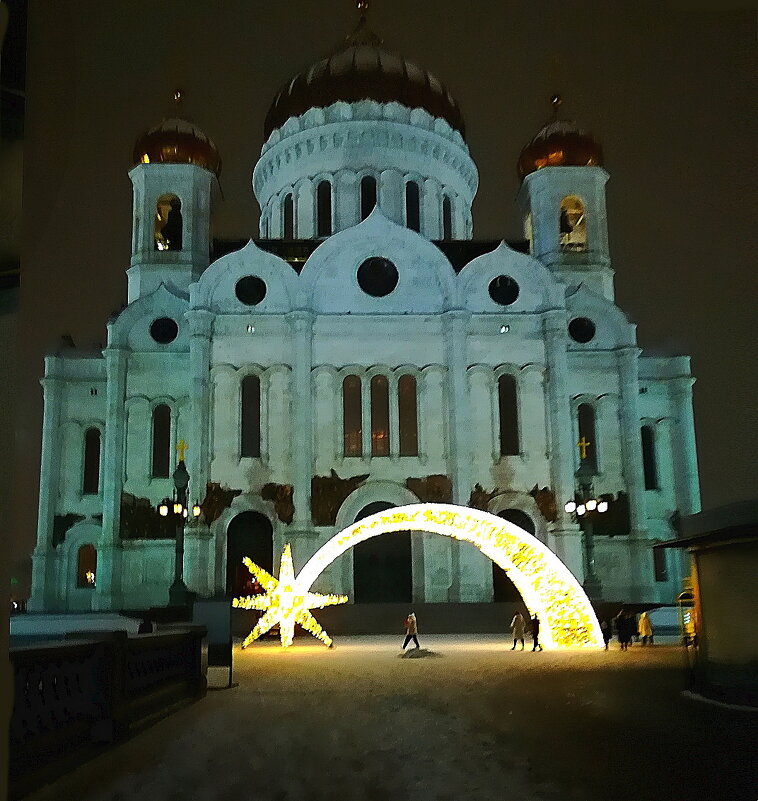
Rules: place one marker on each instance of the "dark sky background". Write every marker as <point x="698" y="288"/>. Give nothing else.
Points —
<point x="668" y="90"/>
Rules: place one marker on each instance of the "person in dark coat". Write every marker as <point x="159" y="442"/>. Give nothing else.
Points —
<point x="535" y="626"/>
<point x="607" y="629"/>
<point x="623" y="629"/>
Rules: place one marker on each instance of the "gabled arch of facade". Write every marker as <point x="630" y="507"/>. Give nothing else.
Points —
<point x="547" y="586"/>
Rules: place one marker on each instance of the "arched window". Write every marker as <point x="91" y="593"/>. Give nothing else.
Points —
<point x="91" y="474"/>
<point x="447" y="218"/>
<point x="507" y="397"/>
<point x="407" y="415"/>
<point x="324" y="209"/>
<point x="380" y="416"/>
<point x="352" y="428"/>
<point x="168" y="223"/>
<point x="161" y="467"/>
<point x="529" y="231"/>
<point x="412" y="206"/>
<point x="573" y="224"/>
<point x="587" y="435"/>
<point x="288" y="217"/>
<point x="86" y="567"/>
<point x="250" y="417"/>
<point x="649" y="462"/>
<point x="368" y="195"/>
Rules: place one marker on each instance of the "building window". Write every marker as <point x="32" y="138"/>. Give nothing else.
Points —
<point x="91" y="473"/>
<point x="529" y="232"/>
<point x="161" y="466"/>
<point x="352" y="427"/>
<point x="412" y="206"/>
<point x="86" y="567"/>
<point x="573" y="224"/>
<point x="368" y="195"/>
<point x="649" y="462"/>
<point x="508" y="408"/>
<point x="407" y="415"/>
<point x="660" y="564"/>
<point x="324" y="209"/>
<point x="587" y="444"/>
<point x="447" y="218"/>
<point x="168" y="223"/>
<point x="250" y="417"/>
<point x="288" y="217"/>
<point x="380" y="416"/>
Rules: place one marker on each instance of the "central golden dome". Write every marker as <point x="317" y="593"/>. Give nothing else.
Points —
<point x="361" y="69"/>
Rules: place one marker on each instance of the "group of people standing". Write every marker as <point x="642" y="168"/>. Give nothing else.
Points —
<point x="518" y="627"/>
<point x="627" y="627"/>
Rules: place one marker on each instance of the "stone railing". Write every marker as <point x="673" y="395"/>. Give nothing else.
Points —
<point x="73" y="695"/>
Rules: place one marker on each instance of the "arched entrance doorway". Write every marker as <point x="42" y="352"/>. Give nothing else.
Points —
<point x="503" y="589"/>
<point x="383" y="565"/>
<point x="249" y="534"/>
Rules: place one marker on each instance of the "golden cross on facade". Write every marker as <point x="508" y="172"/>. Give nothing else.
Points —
<point x="182" y="447"/>
<point x="583" y="444"/>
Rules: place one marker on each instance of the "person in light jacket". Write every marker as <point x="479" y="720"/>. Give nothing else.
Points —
<point x="518" y="626"/>
<point x="411" y="630"/>
<point x="645" y="628"/>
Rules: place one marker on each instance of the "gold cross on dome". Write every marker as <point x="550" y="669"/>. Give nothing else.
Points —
<point x="182" y="447"/>
<point x="583" y="444"/>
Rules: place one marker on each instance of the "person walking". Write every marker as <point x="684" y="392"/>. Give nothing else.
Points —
<point x="623" y="629"/>
<point x="518" y="626"/>
<point x="645" y="628"/>
<point x="607" y="629"/>
<point x="535" y="626"/>
<point x="411" y="630"/>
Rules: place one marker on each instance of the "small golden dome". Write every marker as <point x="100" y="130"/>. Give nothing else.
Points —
<point x="559" y="143"/>
<point x="177" y="141"/>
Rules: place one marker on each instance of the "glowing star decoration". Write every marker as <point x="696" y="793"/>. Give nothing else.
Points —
<point x="285" y="602"/>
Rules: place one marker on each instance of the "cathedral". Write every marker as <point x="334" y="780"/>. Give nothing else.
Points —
<point x="365" y="352"/>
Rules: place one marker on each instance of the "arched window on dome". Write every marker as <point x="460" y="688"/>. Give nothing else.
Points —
<point x="250" y="417"/>
<point x="86" y="567"/>
<point x="529" y="231"/>
<point x="324" y="209"/>
<point x="168" y="223"/>
<point x="288" y="217"/>
<point x="573" y="224"/>
<point x="407" y="415"/>
<point x="587" y="435"/>
<point x="507" y="396"/>
<point x="91" y="472"/>
<point x="447" y="217"/>
<point x="412" y="206"/>
<point x="161" y="462"/>
<point x="380" y="416"/>
<point x="368" y="195"/>
<point x="649" y="460"/>
<point x="352" y="427"/>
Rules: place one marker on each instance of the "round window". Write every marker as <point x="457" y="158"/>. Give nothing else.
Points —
<point x="250" y="290"/>
<point x="581" y="329"/>
<point x="377" y="276"/>
<point x="504" y="290"/>
<point x="164" y="330"/>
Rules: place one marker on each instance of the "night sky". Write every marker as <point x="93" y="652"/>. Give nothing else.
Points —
<point x="669" y="92"/>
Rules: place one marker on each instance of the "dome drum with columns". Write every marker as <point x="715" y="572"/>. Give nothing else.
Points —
<point x="365" y="352"/>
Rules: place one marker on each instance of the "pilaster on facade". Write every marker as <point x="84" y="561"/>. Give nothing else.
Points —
<point x="685" y="447"/>
<point x="455" y="325"/>
<point x="201" y="326"/>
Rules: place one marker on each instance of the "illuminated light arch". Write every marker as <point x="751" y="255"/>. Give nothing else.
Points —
<point x="548" y="587"/>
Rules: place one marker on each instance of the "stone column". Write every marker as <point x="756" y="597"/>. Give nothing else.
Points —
<point x="685" y="450"/>
<point x="431" y="209"/>
<point x="394" y="417"/>
<point x="198" y="433"/>
<point x="568" y="541"/>
<point x="302" y="430"/>
<point x="108" y="593"/>
<point x="43" y="579"/>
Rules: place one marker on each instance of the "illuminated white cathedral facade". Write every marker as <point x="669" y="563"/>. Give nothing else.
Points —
<point x="364" y="352"/>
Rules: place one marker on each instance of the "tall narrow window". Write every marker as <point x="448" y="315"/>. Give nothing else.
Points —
<point x="573" y="224"/>
<point x="168" y="223"/>
<point x="660" y="564"/>
<point x="161" y="441"/>
<point x="412" y="206"/>
<point x="407" y="415"/>
<point x="649" y="462"/>
<point x="529" y="232"/>
<point x="250" y="417"/>
<point x="447" y="218"/>
<point x="324" y="209"/>
<point x="91" y="476"/>
<point x="508" y="407"/>
<point x="352" y="427"/>
<point x="86" y="567"/>
<point x="587" y="444"/>
<point x="368" y="195"/>
<point x="288" y="217"/>
<point x="380" y="416"/>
